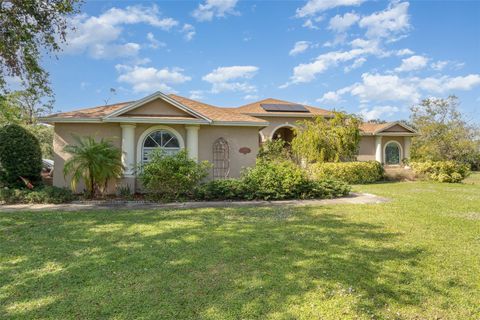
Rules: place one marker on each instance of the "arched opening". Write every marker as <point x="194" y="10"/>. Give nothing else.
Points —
<point x="162" y="137"/>
<point x="285" y="133"/>
<point x="393" y="153"/>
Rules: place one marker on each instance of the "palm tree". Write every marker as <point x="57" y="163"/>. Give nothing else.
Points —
<point x="95" y="162"/>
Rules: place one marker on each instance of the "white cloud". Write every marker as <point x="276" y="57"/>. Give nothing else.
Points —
<point x="386" y="23"/>
<point x="330" y="97"/>
<point x="377" y="112"/>
<point x="378" y="87"/>
<point x="404" y="52"/>
<point x="356" y="64"/>
<point x="250" y="97"/>
<point x="231" y="79"/>
<point x="306" y="72"/>
<point x="299" y="47"/>
<point x="439" y="65"/>
<point x="309" y="24"/>
<point x="342" y="23"/>
<point x="196" y="94"/>
<point x="98" y="35"/>
<point x="150" y="79"/>
<point x="154" y="43"/>
<point x="189" y="31"/>
<point x="448" y="84"/>
<point x="412" y="63"/>
<point x="313" y="7"/>
<point x="214" y="8"/>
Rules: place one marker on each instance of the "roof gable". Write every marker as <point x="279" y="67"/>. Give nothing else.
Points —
<point x="388" y="128"/>
<point x="153" y="97"/>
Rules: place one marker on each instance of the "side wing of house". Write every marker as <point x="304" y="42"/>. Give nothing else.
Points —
<point x="387" y="143"/>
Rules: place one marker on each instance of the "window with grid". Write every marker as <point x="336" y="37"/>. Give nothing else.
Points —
<point x="162" y="139"/>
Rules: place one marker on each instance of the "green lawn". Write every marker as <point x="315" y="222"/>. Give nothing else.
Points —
<point x="416" y="257"/>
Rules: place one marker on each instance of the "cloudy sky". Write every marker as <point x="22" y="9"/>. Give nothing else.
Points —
<point x="374" y="58"/>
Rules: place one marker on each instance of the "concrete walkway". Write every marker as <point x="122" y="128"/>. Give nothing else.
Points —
<point x="353" y="198"/>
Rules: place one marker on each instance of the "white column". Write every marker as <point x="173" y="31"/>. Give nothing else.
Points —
<point x="128" y="148"/>
<point x="407" y="142"/>
<point x="378" y="149"/>
<point x="192" y="141"/>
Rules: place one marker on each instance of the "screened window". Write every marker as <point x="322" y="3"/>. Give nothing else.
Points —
<point x="162" y="139"/>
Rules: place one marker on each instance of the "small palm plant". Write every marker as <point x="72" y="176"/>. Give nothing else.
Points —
<point x="95" y="162"/>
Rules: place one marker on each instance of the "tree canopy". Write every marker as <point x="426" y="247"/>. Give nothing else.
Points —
<point x="29" y="28"/>
<point x="444" y="134"/>
<point x="327" y="139"/>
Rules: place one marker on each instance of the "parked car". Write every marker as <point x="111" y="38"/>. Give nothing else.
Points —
<point x="47" y="167"/>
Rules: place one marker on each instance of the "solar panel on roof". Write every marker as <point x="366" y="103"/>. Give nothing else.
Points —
<point x="277" y="107"/>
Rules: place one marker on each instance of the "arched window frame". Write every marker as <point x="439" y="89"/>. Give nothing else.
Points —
<point x="385" y="151"/>
<point x="146" y="133"/>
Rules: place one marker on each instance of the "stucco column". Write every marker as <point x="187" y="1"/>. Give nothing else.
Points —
<point x="407" y="141"/>
<point x="192" y="141"/>
<point x="378" y="149"/>
<point x="128" y="149"/>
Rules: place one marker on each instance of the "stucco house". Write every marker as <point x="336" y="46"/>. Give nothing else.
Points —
<point x="229" y="138"/>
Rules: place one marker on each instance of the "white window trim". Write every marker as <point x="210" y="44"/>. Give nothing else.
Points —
<point x="283" y="125"/>
<point x="385" y="152"/>
<point x="147" y="132"/>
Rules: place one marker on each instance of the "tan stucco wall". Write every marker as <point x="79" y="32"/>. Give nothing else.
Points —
<point x="160" y="108"/>
<point x="367" y="147"/>
<point x="63" y="136"/>
<point x="237" y="137"/>
<point x="366" y="150"/>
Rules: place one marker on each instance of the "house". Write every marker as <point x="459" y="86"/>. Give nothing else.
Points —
<point x="229" y="138"/>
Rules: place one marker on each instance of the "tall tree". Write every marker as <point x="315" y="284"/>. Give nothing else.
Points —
<point x="328" y="140"/>
<point x="28" y="28"/>
<point x="443" y="132"/>
<point x="31" y="104"/>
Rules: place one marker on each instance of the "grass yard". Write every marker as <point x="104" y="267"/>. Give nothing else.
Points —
<point x="417" y="257"/>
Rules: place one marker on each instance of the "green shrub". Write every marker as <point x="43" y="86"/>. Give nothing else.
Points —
<point x="167" y="177"/>
<point x="272" y="150"/>
<point x="350" y="172"/>
<point x="228" y="189"/>
<point x="20" y="156"/>
<point x="273" y="180"/>
<point x="442" y="171"/>
<point x="47" y="194"/>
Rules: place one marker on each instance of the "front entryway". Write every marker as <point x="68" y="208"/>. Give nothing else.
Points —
<point x="284" y="133"/>
<point x="393" y="153"/>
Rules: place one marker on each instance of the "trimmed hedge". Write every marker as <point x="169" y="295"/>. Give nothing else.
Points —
<point x="272" y="180"/>
<point x="349" y="172"/>
<point x="47" y="194"/>
<point x="20" y="156"/>
<point x="442" y="171"/>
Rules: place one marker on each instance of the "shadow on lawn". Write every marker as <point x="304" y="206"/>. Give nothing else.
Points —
<point x="224" y="263"/>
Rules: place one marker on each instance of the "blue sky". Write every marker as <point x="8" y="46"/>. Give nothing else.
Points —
<point x="375" y="58"/>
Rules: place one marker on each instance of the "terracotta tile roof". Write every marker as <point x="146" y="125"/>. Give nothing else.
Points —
<point x="215" y="113"/>
<point x="255" y="108"/>
<point x="95" y="112"/>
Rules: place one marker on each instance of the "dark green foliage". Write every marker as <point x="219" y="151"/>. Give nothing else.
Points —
<point x="274" y="150"/>
<point x="272" y="180"/>
<point x="96" y="163"/>
<point x="350" y="172"/>
<point x="28" y="29"/>
<point x="20" y="156"/>
<point x="442" y="171"/>
<point x="44" y="194"/>
<point x="228" y="189"/>
<point x="168" y="177"/>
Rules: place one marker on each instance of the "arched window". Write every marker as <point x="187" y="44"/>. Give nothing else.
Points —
<point x="393" y="153"/>
<point x="221" y="159"/>
<point x="162" y="139"/>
